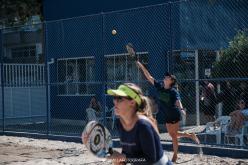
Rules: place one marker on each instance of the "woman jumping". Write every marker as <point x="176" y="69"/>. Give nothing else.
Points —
<point x="172" y="106"/>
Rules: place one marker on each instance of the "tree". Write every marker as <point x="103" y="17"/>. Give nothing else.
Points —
<point x="17" y="12"/>
<point x="234" y="59"/>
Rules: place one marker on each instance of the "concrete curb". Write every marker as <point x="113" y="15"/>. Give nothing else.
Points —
<point x="221" y="151"/>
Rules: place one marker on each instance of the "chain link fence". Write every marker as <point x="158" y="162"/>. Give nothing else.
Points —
<point x="54" y="75"/>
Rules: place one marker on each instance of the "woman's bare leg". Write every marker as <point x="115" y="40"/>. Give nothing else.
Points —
<point x="172" y="130"/>
<point x="189" y="135"/>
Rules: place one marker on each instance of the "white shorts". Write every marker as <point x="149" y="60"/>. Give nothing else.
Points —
<point x="164" y="160"/>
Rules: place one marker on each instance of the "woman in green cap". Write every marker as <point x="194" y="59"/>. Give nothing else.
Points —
<point x="139" y="136"/>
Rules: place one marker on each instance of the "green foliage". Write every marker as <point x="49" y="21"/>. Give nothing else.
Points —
<point x="234" y="59"/>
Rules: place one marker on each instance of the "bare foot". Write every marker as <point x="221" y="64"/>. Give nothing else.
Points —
<point x="195" y="138"/>
<point x="174" y="158"/>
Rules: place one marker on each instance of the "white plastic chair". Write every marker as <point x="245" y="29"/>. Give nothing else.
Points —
<point x="217" y="127"/>
<point x="239" y="138"/>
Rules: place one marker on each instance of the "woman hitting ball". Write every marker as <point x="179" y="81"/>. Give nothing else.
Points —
<point x="172" y="106"/>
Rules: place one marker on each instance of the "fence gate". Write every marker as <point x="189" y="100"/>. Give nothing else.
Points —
<point x="24" y="96"/>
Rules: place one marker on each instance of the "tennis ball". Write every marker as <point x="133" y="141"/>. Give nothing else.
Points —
<point x="114" y="32"/>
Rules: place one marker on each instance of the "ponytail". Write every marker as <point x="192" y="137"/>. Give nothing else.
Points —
<point x="147" y="108"/>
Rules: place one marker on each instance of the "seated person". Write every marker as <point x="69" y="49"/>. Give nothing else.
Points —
<point x="96" y="105"/>
<point x="238" y="118"/>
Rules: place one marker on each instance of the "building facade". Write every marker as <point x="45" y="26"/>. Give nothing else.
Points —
<point x="88" y="59"/>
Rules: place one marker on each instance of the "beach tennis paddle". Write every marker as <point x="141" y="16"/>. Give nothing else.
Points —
<point x="97" y="139"/>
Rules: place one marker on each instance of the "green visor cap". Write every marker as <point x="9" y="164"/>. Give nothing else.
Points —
<point x="125" y="91"/>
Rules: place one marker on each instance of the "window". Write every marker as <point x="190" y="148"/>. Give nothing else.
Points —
<point x="75" y="76"/>
<point x="183" y="63"/>
<point x="121" y="68"/>
<point x="22" y="52"/>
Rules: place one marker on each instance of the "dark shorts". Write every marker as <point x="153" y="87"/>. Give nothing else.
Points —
<point x="172" y="121"/>
<point x="172" y="117"/>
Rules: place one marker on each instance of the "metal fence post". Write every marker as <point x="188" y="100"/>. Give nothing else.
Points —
<point x="103" y="70"/>
<point x="220" y="105"/>
<point x="47" y="80"/>
<point x="2" y="77"/>
<point x="197" y="92"/>
<point x="169" y="56"/>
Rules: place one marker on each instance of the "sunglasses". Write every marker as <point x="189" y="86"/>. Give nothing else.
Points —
<point x="121" y="98"/>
